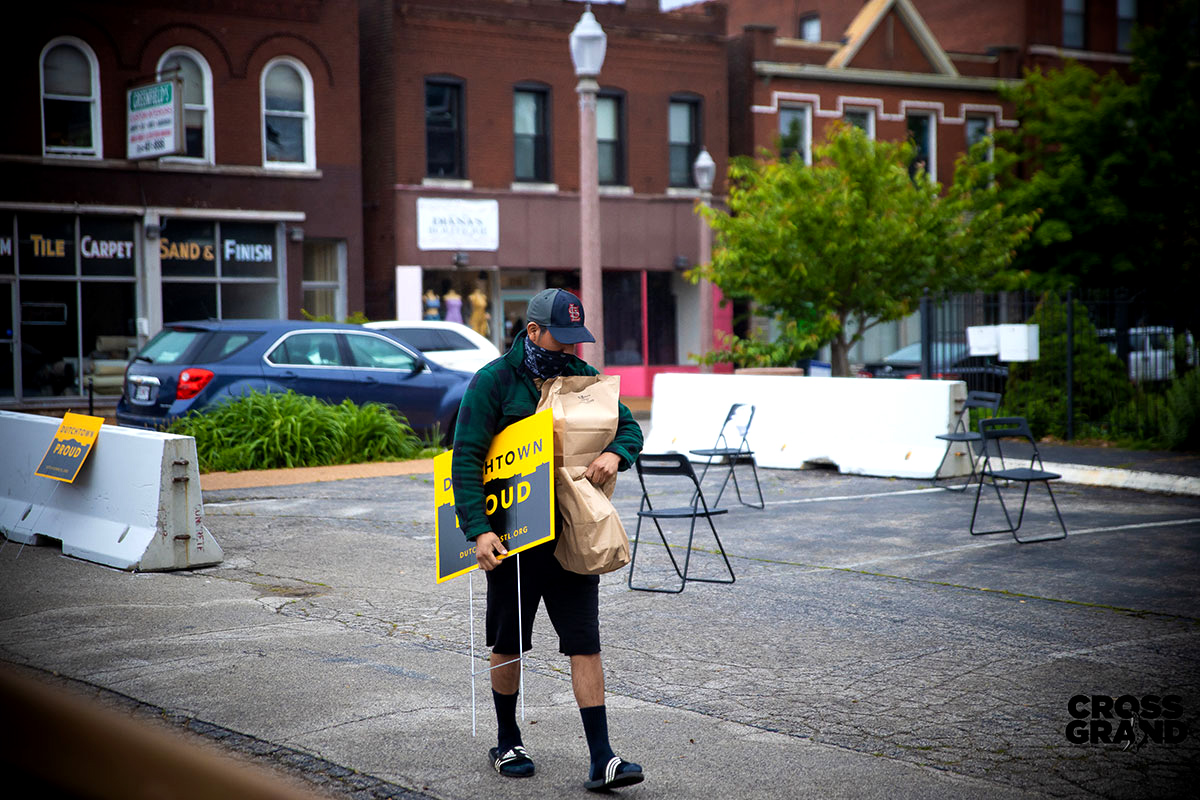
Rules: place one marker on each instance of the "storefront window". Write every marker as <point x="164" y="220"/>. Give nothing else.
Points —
<point x="106" y="246"/>
<point x="660" y="318"/>
<point x="49" y="338"/>
<point x="247" y="251"/>
<point x="186" y="301"/>
<point x="8" y="261"/>
<point x="77" y="304"/>
<point x="623" y="318"/>
<point x="187" y="247"/>
<point x="109" y="334"/>
<point x="47" y="244"/>
<point x="248" y="301"/>
<point x="7" y="341"/>
<point x="219" y="270"/>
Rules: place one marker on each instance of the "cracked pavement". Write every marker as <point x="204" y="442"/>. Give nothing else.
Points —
<point x="870" y="646"/>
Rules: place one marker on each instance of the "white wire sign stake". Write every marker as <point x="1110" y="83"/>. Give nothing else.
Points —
<point x="518" y="481"/>
<point x="520" y="659"/>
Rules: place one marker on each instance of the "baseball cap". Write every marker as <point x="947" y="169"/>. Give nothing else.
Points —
<point x="561" y="313"/>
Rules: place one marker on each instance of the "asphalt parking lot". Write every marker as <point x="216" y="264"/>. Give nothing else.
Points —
<point x="870" y="646"/>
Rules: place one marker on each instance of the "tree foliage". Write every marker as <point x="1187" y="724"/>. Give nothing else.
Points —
<point x="852" y="241"/>
<point x="1113" y="165"/>
<point x="1036" y="389"/>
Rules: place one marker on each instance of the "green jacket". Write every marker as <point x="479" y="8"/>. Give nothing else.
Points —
<point x="500" y="394"/>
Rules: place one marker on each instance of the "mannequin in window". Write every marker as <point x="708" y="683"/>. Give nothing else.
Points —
<point x="433" y="305"/>
<point x="479" y="312"/>
<point x="452" y="303"/>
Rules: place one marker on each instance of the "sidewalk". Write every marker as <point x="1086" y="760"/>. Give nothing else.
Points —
<point x="870" y="647"/>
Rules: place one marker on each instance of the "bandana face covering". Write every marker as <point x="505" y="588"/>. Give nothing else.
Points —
<point x="544" y="363"/>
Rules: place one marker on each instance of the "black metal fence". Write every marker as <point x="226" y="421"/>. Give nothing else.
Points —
<point x="1106" y="357"/>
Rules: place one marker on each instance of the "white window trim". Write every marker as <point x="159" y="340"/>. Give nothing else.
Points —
<point x="310" y="125"/>
<point x="97" y="148"/>
<point x="209" y="156"/>
<point x="806" y="134"/>
<point x="870" y="112"/>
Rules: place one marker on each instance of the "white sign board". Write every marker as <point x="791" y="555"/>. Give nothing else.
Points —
<point x="444" y="224"/>
<point x="1018" y="342"/>
<point x="983" y="340"/>
<point x="154" y="120"/>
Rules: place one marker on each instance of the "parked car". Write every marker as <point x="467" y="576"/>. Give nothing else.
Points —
<point x="190" y="366"/>
<point x="1151" y="351"/>
<point x="951" y="361"/>
<point x="451" y="344"/>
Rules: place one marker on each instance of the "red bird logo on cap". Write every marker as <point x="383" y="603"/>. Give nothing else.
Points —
<point x="573" y="312"/>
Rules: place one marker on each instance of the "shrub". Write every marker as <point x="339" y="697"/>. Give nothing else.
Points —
<point x="1181" y="427"/>
<point x="269" y="431"/>
<point x="1038" y="390"/>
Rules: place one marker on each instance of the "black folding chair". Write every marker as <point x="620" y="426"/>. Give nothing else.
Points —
<point x="676" y="465"/>
<point x="994" y="431"/>
<point x="962" y="435"/>
<point x="739" y="417"/>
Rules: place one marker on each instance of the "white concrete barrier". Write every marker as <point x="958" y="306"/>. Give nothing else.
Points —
<point x="881" y="427"/>
<point x="135" y="505"/>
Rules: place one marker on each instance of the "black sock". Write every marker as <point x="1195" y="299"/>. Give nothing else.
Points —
<point x="595" y="727"/>
<point x="508" y="735"/>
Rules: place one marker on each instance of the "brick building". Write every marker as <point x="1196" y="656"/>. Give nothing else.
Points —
<point x="259" y="214"/>
<point x="924" y="70"/>
<point x="471" y="149"/>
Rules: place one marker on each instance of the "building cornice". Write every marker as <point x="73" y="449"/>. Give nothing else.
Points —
<point x="1078" y="55"/>
<point x="814" y="72"/>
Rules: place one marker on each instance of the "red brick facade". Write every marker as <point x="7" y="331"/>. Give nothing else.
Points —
<point x="489" y="48"/>
<point x="300" y="210"/>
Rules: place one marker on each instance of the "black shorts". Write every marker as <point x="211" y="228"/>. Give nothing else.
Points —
<point x="572" y="601"/>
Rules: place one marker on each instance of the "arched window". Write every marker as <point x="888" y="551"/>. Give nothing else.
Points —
<point x="189" y="65"/>
<point x="70" y="99"/>
<point x="289" y="130"/>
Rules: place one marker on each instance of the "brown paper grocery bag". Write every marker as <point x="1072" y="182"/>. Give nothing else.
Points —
<point x="592" y="540"/>
<point x="585" y="416"/>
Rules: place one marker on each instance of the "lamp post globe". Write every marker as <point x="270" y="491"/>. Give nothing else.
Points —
<point x="704" y="170"/>
<point x="588" y="44"/>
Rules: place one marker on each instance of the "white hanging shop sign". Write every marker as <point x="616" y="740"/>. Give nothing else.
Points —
<point x="447" y="224"/>
<point x="154" y="120"/>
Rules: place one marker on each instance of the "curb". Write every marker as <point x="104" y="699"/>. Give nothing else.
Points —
<point x="257" y="478"/>
<point x="1126" y="479"/>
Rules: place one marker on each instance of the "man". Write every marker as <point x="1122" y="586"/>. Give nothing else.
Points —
<point x="501" y="393"/>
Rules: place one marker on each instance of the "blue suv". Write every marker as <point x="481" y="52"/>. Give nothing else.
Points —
<point x="190" y="366"/>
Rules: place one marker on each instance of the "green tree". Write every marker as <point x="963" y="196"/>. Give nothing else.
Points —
<point x="852" y="241"/>
<point x="1113" y="165"/>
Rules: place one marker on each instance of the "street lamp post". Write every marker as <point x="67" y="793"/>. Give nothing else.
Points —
<point x="588" y="44"/>
<point x="704" y="170"/>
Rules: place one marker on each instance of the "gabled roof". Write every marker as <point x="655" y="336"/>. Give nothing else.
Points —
<point x="865" y="24"/>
